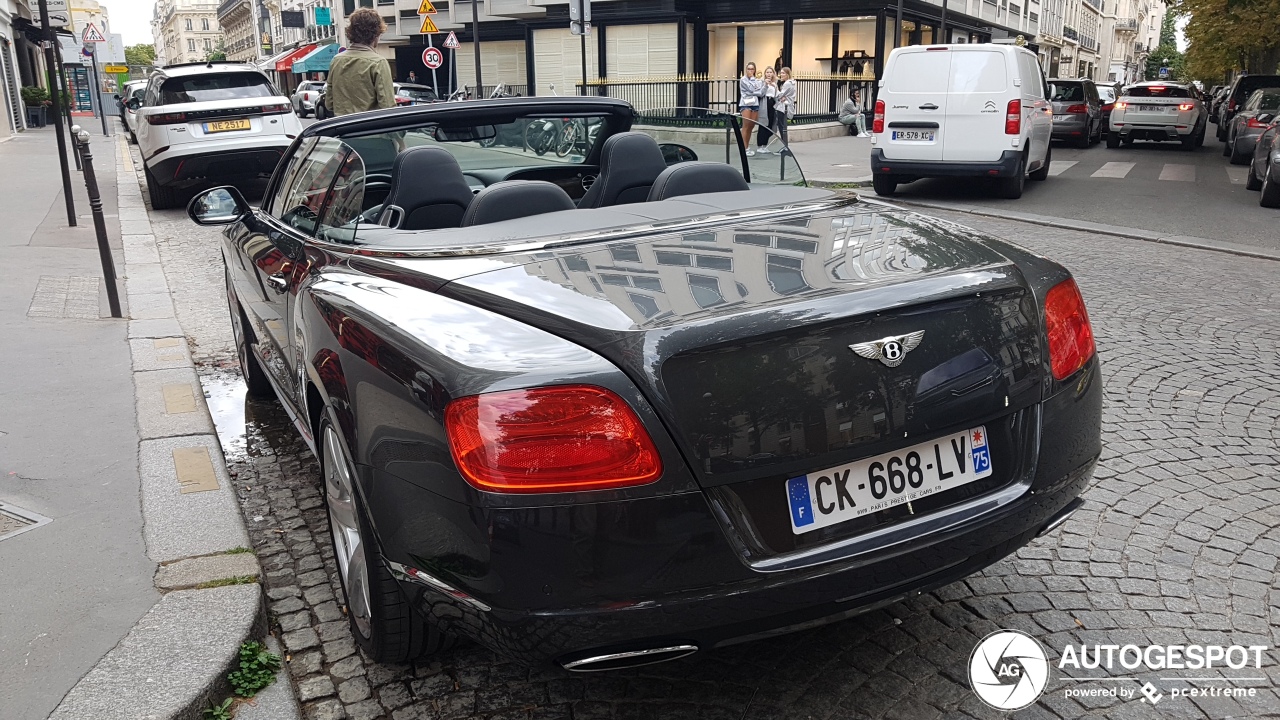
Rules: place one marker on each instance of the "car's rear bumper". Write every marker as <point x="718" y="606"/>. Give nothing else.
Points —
<point x="180" y="169"/>
<point x="1072" y="127"/>
<point x="1150" y="131"/>
<point x="561" y="583"/>
<point x="1006" y="166"/>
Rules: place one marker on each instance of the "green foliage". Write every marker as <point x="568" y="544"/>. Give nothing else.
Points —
<point x="257" y="669"/>
<point x="34" y="96"/>
<point x="238" y="551"/>
<point x="1229" y="36"/>
<point x="219" y="712"/>
<point x="219" y="53"/>
<point x="1166" y="56"/>
<point x="223" y="582"/>
<point x="141" y="55"/>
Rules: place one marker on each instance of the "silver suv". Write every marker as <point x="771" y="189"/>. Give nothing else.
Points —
<point x="210" y="122"/>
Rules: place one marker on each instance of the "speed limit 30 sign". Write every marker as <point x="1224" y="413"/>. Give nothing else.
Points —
<point x="432" y="58"/>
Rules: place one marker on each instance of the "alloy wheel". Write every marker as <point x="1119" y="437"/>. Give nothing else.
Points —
<point x="339" y="490"/>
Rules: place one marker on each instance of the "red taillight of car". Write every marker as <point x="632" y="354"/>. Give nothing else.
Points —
<point x="167" y="118"/>
<point x="1077" y="109"/>
<point x="1121" y="105"/>
<point x="1013" y="118"/>
<point x="1108" y="107"/>
<point x="1070" y="335"/>
<point x="562" y="438"/>
<point x="276" y="109"/>
<point x="1186" y="106"/>
<point x="1253" y="122"/>
<point x="1231" y="106"/>
<point x="877" y="120"/>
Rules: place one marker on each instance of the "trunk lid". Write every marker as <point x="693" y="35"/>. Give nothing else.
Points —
<point x="740" y="338"/>
<point x="915" y="98"/>
<point x="979" y="91"/>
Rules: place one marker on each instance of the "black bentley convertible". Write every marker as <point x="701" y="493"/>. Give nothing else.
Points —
<point x="643" y="396"/>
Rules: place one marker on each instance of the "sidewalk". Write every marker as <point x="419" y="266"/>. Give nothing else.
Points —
<point x="844" y="159"/>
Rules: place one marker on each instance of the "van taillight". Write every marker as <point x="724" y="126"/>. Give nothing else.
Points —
<point x="1070" y="334"/>
<point x="877" y="121"/>
<point x="1013" y="118"/>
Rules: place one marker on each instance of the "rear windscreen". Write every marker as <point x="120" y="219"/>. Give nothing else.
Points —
<point x="1248" y="84"/>
<point x="227" y="86"/>
<point x="1158" y="91"/>
<point x="1066" y="92"/>
<point x="978" y="72"/>
<point x="920" y="72"/>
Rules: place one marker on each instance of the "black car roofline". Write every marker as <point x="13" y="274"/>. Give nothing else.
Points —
<point x="391" y="119"/>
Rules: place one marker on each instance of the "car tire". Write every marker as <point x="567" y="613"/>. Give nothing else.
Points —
<point x="255" y="378"/>
<point x="1010" y="188"/>
<point x="1043" y="173"/>
<point x="162" y="197"/>
<point x="884" y="185"/>
<point x="1252" y="182"/>
<point x="1097" y="136"/>
<point x="1189" y="142"/>
<point x="1084" y="140"/>
<point x="133" y="139"/>
<point x="1113" y="140"/>
<point x="1270" y="196"/>
<point x="382" y="621"/>
<point x="1237" y="157"/>
<point x="1226" y="147"/>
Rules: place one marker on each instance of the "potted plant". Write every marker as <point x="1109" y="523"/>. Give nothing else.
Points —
<point x="37" y="101"/>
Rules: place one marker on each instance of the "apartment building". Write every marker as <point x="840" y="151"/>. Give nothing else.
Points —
<point x="241" y="38"/>
<point x="185" y="30"/>
<point x="1131" y="29"/>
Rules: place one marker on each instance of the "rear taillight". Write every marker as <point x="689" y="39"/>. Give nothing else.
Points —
<point x="562" y="438"/>
<point x="167" y="118"/>
<point x="1231" y="106"/>
<point x="1013" y="118"/>
<point x="1256" y="123"/>
<point x="1070" y="335"/>
<point x="877" y="120"/>
<point x="1077" y="109"/>
<point x="1121" y="105"/>
<point x="1107" y="107"/>
<point x="276" y="109"/>
<point x="1186" y="106"/>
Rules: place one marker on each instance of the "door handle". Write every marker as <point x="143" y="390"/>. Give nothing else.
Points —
<point x="928" y="106"/>
<point x="278" y="282"/>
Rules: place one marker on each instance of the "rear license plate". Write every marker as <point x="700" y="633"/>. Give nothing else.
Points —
<point x="867" y="486"/>
<point x="913" y="135"/>
<point x="1154" y="108"/>
<point x="226" y="125"/>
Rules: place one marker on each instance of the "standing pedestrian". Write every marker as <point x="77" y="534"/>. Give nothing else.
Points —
<point x="413" y="77"/>
<point x="359" y="78"/>
<point x="750" y="90"/>
<point x="784" y="107"/>
<point x="766" y="121"/>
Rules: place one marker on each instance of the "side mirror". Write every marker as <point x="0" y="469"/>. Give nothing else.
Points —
<point x="133" y="104"/>
<point x="217" y="206"/>
<point x="116" y="96"/>
<point x="1266" y="117"/>
<point x="674" y="153"/>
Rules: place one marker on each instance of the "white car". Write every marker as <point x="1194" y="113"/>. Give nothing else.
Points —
<point x="1159" y="111"/>
<point x="132" y="89"/>
<point x="305" y="97"/>
<point x="205" y="122"/>
<point x="973" y="110"/>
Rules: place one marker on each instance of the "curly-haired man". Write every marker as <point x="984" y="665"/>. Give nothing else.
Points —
<point x="360" y="79"/>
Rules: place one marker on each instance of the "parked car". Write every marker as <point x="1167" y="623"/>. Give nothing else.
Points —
<point x="132" y="89"/>
<point x="1264" y="169"/>
<point x="1237" y="93"/>
<point x="1253" y="117"/>
<point x="210" y="121"/>
<point x="979" y="110"/>
<point x="1211" y="98"/>
<point x="305" y="97"/>
<point x="1107" y="95"/>
<point x="540" y="420"/>
<point x="322" y="106"/>
<point x="1160" y="111"/>
<point x="411" y="94"/>
<point x="1077" y="111"/>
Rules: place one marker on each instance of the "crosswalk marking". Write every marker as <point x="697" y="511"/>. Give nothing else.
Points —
<point x="1113" y="170"/>
<point x="1057" y="167"/>
<point x="1179" y="173"/>
<point x="1237" y="175"/>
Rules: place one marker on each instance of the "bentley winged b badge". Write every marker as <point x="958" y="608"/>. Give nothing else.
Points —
<point x="891" y="350"/>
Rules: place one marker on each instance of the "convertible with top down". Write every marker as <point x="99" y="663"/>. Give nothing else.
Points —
<point x="649" y="397"/>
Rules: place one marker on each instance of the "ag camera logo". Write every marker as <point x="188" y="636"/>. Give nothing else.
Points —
<point x="1008" y="670"/>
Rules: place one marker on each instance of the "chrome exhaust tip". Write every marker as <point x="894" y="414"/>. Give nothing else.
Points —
<point x="1062" y="516"/>
<point x="629" y="659"/>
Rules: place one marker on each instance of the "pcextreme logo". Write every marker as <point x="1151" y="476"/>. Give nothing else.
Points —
<point x="1009" y="670"/>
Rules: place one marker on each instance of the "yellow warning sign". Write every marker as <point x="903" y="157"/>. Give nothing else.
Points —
<point x="428" y="26"/>
<point x="426" y="8"/>
<point x="116" y="69"/>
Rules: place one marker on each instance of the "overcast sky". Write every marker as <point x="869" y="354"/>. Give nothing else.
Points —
<point x="131" y="18"/>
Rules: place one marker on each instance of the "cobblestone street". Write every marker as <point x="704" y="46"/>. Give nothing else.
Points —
<point x="1177" y="543"/>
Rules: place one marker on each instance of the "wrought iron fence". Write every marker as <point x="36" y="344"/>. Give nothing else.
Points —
<point x="487" y="90"/>
<point x="818" y="97"/>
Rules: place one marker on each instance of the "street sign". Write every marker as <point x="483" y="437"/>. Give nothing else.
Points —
<point x="426" y="8"/>
<point x="432" y="58"/>
<point x="428" y="27"/>
<point x="1164" y="73"/>
<point x="59" y="13"/>
<point x="91" y="34"/>
<point x="580" y="17"/>
<point x="114" y="54"/>
<point x="451" y="42"/>
<point x="115" y="69"/>
<point x="323" y="16"/>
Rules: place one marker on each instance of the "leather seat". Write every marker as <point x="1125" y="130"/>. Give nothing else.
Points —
<point x="428" y="187"/>
<point x="629" y="163"/>
<point x="513" y="199"/>
<point x="694" y="178"/>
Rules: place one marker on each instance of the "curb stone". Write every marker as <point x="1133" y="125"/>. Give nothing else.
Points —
<point x="173" y="663"/>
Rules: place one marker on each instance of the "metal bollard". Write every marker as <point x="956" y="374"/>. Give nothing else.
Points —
<point x="99" y="224"/>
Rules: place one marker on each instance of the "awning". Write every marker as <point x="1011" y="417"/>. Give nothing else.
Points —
<point x="285" y="64"/>
<point x="317" y="60"/>
<point x="270" y="63"/>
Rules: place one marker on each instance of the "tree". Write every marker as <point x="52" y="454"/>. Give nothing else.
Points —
<point x="1229" y="36"/>
<point x="1166" y="54"/>
<point x="141" y="55"/>
<point x="218" y="54"/>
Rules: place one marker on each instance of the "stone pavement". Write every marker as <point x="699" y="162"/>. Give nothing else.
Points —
<point x="1177" y="544"/>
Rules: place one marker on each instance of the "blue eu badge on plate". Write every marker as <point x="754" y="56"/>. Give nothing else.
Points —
<point x="801" y="507"/>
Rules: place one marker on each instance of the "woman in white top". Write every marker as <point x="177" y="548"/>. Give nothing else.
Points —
<point x="784" y="105"/>
<point x="766" y="123"/>
<point x="750" y="90"/>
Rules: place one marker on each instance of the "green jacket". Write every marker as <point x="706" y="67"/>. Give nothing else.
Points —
<point x="359" y="80"/>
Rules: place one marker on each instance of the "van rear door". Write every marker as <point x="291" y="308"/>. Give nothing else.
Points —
<point x="979" y="89"/>
<point x="915" y="103"/>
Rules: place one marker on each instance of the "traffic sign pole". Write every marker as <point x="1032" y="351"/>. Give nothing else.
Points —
<point x="97" y="90"/>
<point x="49" y="65"/>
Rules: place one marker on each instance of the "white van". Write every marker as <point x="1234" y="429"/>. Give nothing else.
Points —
<point x="976" y="110"/>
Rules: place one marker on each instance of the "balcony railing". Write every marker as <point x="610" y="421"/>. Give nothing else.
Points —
<point x="818" y="97"/>
<point x="1139" y="48"/>
<point x="1070" y="33"/>
<point x="1130" y="25"/>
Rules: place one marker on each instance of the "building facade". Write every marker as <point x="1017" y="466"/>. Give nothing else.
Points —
<point x="185" y="30"/>
<point x="240" y="39"/>
<point x="11" y="75"/>
<point x="1131" y="29"/>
